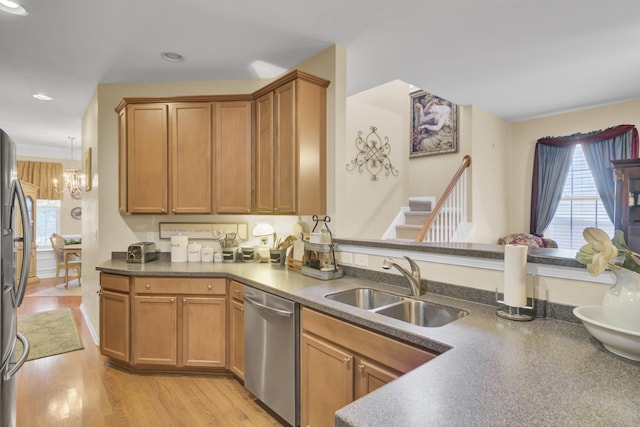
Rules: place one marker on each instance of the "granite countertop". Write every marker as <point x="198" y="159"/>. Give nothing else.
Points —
<point x="491" y="371"/>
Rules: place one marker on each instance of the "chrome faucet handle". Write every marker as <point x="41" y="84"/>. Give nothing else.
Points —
<point x="415" y="269"/>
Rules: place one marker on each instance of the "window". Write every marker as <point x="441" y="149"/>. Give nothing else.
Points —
<point x="47" y="220"/>
<point x="579" y="207"/>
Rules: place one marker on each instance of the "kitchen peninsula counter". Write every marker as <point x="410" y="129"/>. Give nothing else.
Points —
<point x="491" y="371"/>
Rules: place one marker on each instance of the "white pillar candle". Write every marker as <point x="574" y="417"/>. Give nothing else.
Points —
<point x="515" y="275"/>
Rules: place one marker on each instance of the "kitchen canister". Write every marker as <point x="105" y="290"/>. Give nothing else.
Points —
<point x="194" y="252"/>
<point x="207" y="254"/>
<point x="179" y="250"/>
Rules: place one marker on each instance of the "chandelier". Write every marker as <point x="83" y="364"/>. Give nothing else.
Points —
<point x="73" y="179"/>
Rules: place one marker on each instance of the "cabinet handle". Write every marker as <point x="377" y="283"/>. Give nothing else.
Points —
<point x="236" y="291"/>
<point x="147" y="286"/>
<point x="209" y="287"/>
<point x="361" y="367"/>
<point x="346" y="360"/>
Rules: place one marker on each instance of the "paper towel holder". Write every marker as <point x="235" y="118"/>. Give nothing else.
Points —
<point x="517" y="316"/>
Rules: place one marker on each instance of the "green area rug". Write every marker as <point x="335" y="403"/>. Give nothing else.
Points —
<point x="49" y="333"/>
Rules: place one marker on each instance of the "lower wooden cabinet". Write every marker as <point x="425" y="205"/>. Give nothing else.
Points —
<point x="182" y="329"/>
<point x="115" y="322"/>
<point x="341" y="362"/>
<point x="236" y="328"/>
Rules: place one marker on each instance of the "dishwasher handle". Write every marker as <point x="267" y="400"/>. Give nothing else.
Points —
<point x="277" y="311"/>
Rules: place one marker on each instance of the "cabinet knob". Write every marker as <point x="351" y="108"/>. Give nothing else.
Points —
<point x="147" y="286"/>
<point x="173" y="210"/>
<point x="361" y="367"/>
<point x="236" y="291"/>
<point x="346" y="360"/>
<point x="209" y="287"/>
<point x="184" y="300"/>
<point x="163" y="210"/>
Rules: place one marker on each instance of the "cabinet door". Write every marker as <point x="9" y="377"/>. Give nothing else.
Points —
<point x="326" y="377"/>
<point x="114" y="325"/>
<point x="191" y="160"/>
<point x="371" y="376"/>
<point x="263" y="162"/>
<point x="285" y="150"/>
<point x="232" y="130"/>
<point x="236" y="338"/>
<point x="155" y="330"/>
<point x="147" y="153"/>
<point x="204" y="332"/>
<point x="122" y="161"/>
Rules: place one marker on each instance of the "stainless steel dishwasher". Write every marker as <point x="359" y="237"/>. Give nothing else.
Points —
<point x="271" y="345"/>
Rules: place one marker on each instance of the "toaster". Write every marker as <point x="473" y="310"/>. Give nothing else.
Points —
<point x="142" y="252"/>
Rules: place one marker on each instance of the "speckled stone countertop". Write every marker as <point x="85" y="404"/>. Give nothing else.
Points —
<point x="491" y="371"/>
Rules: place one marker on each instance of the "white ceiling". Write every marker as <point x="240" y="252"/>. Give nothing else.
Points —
<point x="517" y="59"/>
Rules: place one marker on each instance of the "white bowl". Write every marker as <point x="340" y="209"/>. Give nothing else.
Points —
<point x="623" y="342"/>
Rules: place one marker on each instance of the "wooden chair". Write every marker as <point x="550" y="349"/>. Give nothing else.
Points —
<point x="73" y="261"/>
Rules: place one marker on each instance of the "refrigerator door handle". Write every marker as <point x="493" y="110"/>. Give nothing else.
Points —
<point x="27" y="239"/>
<point x="25" y="353"/>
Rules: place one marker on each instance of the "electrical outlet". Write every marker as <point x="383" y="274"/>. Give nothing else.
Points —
<point x="361" y="259"/>
<point x="346" y="258"/>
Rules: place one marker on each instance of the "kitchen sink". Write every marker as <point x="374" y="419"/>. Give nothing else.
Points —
<point x="365" y="298"/>
<point x="422" y="313"/>
<point x="416" y="312"/>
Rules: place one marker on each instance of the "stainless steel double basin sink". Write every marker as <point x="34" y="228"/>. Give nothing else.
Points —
<point x="416" y="312"/>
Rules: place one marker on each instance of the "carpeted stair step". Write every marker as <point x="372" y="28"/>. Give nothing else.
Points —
<point x="416" y="217"/>
<point x="407" y="232"/>
<point x="420" y="204"/>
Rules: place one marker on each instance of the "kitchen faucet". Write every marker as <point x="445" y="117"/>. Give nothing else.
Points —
<point x="413" y="276"/>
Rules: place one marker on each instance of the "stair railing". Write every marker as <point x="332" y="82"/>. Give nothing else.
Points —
<point x="450" y="210"/>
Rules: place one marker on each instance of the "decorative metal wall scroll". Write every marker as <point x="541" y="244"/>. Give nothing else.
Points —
<point x="373" y="155"/>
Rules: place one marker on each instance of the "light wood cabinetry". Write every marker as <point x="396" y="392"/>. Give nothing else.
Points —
<point x="190" y="157"/>
<point x="114" y="317"/>
<point x="236" y="328"/>
<point x="198" y="154"/>
<point x="232" y="142"/>
<point x="147" y="178"/>
<point x="31" y="195"/>
<point x="179" y="322"/>
<point x="290" y="165"/>
<point x="341" y="362"/>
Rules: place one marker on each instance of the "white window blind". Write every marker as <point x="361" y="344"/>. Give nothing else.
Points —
<point x="47" y="220"/>
<point x="579" y="207"/>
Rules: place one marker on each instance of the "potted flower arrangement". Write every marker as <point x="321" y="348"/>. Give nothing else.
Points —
<point x="621" y="303"/>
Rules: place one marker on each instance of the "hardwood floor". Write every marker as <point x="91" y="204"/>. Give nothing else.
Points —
<point x="81" y="389"/>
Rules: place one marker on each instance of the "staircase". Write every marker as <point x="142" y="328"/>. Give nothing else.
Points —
<point x="427" y="221"/>
<point x="414" y="217"/>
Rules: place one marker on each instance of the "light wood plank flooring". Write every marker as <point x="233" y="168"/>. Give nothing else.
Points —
<point x="81" y="389"/>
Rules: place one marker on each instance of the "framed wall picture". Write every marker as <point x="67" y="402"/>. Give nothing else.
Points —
<point x="434" y="125"/>
<point x="87" y="170"/>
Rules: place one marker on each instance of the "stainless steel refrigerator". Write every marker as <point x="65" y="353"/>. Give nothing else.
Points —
<point x="13" y="290"/>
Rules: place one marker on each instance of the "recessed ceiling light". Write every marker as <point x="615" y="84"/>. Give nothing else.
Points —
<point x="172" y="57"/>
<point x="41" y="96"/>
<point x="12" y="8"/>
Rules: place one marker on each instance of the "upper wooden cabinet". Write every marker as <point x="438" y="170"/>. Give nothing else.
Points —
<point x="232" y="142"/>
<point x="198" y="155"/>
<point x="190" y="157"/>
<point x="290" y="149"/>
<point x="147" y="173"/>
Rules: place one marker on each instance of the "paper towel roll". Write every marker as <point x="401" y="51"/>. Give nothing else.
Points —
<point x="179" y="251"/>
<point x="515" y="275"/>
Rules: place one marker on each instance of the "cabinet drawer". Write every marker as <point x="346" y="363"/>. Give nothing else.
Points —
<point x="179" y="285"/>
<point x="113" y="282"/>
<point x="388" y="351"/>
<point x="236" y="290"/>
